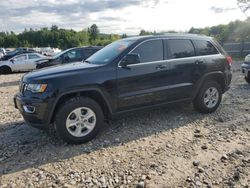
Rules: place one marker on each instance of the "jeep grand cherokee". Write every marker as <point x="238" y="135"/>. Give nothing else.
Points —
<point x="129" y="74"/>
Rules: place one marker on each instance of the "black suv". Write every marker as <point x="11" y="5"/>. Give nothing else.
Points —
<point x="126" y="75"/>
<point x="69" y="56"/>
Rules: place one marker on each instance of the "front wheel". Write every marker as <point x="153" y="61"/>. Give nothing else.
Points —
<point x="208" y="98"/>
<point x="79" y="120"/>
<point x="5" y="70"/>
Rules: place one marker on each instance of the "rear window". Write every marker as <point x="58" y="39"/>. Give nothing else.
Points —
<point x="180" y="48"/>
<point x="204" y="47"/>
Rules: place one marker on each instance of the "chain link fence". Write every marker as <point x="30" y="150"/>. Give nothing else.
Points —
<point x="237" y="49"/>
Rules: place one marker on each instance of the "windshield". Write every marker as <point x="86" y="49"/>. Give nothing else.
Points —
<point x="109" y="52"/>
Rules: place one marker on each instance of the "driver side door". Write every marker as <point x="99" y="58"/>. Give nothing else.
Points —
<point x="144" y="83"/>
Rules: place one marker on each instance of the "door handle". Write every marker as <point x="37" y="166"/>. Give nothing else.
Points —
<point x="159" y="67"/>
<point x="199" y="61"/>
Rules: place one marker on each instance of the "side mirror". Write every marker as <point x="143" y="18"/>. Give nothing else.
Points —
<point x="130" y="59"/>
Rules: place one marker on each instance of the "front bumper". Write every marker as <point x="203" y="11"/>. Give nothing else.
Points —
<point x="34" y="111"/>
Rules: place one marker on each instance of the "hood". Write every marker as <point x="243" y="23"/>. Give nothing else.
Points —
<point x="58" y="71"/>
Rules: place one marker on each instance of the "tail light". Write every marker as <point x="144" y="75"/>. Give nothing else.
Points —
<point x="229" y="60"/>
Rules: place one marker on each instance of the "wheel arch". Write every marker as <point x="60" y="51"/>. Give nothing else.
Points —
<point x="6" y="67"/>
<point x="94" y="94"/>
<point x="214" y="76"/>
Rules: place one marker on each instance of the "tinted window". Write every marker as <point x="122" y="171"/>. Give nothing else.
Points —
<point x="204" y="47"/>
<point x="74" y="54"/>
<point x="33" y="56"/>
<point x="150" y="51"/>
<point x="180" y="48"/>
<point x="89" y="52"/>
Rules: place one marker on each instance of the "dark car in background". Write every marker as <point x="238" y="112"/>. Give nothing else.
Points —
<point x="69" y="56"/>
<point x="17" y="51"/>
<point x="127" y="75"/>
<point x="246" y="68"/>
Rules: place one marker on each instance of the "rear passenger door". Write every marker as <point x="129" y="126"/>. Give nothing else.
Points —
<point x="184" y="68"/>
<point x="145" y="83"/>
<point x="212" y="57"/>
<point x="31" y="65"/>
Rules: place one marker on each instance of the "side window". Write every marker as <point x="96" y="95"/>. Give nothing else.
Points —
<point x="204" y="47"/>
<point x="33" y="56"/>
<point x="88" y="52"/>
<point x="180" y="48"/>
<point x="20" y="58"/>
<point x="71" y="54"/>
<point x="74" y="54"/>
<point x="150" y="51"/>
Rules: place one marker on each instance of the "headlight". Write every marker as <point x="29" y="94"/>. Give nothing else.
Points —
<point x="36" y="88"/>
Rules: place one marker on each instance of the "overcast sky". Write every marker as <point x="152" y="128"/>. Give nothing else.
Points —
<point x="117" y="16"/>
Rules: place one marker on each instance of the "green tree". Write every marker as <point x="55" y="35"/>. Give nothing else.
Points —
<point x="93" y="33"/>
<point x="143" y="32"/>
<point x="54" y="28"/>
<point x="234" y="31"/>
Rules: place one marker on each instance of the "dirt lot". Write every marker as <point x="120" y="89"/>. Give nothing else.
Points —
<point x="168" y="147"/>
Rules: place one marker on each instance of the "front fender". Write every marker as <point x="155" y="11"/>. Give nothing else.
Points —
<point x="77" y="92"/>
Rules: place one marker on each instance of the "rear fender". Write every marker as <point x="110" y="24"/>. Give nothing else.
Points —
<point x="217" y="76"/>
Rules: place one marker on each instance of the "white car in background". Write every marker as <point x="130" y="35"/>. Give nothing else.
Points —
<point x="21" y="63"/>
<point x="247" y="58"/>
<point x="2" y="52"/>
<point x="245" y="67"/>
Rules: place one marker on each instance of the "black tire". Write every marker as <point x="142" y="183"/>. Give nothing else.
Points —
<point x="5" y="70"/>
<point x="67" y="108"/>
<point x="247" y="79"/>
<point x="199" y="103"/>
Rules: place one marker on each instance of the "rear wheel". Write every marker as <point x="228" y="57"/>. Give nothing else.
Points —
<point x="5" y="70"/>
<point x="208" y="98"/>
<point x="79" y="120"/>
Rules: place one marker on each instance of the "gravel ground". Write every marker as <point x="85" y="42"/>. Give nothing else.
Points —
<point x="172" y="146"/>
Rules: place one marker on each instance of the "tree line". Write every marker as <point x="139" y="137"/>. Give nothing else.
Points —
<point x="236" y="31"/>
<point x="66" y="38"/>
<point x="56" y="37"/>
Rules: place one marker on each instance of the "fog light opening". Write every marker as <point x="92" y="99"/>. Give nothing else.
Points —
<point x="29" y="109"/>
